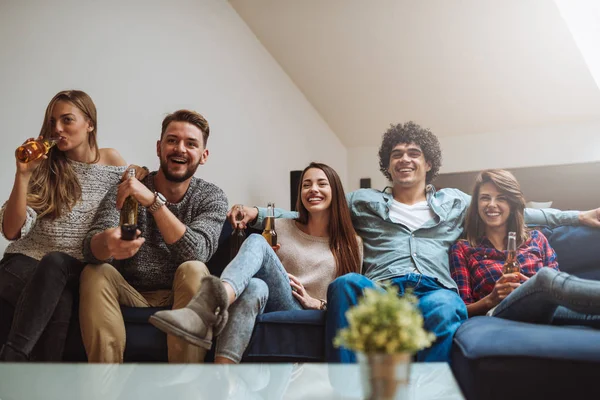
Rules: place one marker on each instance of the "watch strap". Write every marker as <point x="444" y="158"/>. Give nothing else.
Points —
<point x="158" y="203"/>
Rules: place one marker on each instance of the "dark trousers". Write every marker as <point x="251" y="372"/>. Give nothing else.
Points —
<point x="36" y="304"/>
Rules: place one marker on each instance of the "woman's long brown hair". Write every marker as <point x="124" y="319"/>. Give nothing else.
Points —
<point x="343" y="240"/>
<point x="54" y="188"/>
<point x="508" y="185"/>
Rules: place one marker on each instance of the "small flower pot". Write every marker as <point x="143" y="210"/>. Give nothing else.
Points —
<point x="384" y="376"/>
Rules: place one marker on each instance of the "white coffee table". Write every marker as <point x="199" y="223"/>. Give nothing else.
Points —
<point x="180" y="382"/>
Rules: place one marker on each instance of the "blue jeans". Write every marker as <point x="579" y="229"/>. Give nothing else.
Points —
<point x="443" y="312"/>
<point x="551" y="294"/>
<point x="260" y="283"/>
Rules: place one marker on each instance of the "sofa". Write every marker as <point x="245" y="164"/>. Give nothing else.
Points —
<point x="491" y="358"/>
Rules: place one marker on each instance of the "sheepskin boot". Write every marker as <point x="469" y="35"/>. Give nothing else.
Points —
<point x="203" y="318"/>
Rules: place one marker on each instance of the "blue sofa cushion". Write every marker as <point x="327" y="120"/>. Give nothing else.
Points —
<point x="288" y="336"/>
<point x="143" y="341"/>
<point x="493" y="358"/>
<point x="481" y="337"/>
<point x="577" y="249"/>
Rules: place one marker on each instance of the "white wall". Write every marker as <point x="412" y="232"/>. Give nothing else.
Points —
<point x="549" y="145"/>
<point x="363" y="162"/>
<point x="141" y="59"/>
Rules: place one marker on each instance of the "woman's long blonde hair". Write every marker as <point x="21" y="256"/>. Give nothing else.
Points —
<point x="54" y="188"/>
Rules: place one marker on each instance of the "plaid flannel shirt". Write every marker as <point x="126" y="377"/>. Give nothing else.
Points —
<point x="476" y="269"/>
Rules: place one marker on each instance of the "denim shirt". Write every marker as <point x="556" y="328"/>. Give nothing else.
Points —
<point x="392" y="250"/>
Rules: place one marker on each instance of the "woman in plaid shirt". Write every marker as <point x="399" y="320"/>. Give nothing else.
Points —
<point x="539" y="291"/>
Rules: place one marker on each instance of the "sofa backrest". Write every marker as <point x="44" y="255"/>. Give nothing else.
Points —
<point x="222" y="256"/>
<point x="577" y="249"/>
<point x="220" y="259"/>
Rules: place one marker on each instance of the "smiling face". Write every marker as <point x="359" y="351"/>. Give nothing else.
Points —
<point x="408" y="167"/>
<point x="70" y="125"/>
<point x="181" y="151"/>
<point x="493" y="207"/>
<point x="316" y="191"/>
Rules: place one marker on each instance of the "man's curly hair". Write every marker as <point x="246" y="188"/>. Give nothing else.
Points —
<point x="411" y="133"/>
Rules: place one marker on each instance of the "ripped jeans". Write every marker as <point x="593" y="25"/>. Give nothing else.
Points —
<point x="261" y="284"/>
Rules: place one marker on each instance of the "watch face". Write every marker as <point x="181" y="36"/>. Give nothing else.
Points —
<point x="161" y="197"/>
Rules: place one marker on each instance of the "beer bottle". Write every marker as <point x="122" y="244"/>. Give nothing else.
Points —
<point x="511" y="265"/>
<point x="238" y="236"/>
<point x="33" y="149"/>
<point x="129" y="214"/>
<point x="269" y="231"/>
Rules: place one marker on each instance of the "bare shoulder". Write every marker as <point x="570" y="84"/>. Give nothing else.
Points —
<point x="359" y="240"/>
<point x="110" y="156"/>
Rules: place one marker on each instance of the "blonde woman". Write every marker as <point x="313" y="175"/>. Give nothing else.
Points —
<point x="48" y="213"/>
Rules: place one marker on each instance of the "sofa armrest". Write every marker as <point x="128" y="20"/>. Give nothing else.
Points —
<point x="494" y="358"/>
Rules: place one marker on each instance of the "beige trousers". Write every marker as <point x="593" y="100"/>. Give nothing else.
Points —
<point x="103" y="290"/>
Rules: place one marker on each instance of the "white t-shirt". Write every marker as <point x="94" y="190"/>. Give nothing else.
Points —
<point x="413" y="216"/>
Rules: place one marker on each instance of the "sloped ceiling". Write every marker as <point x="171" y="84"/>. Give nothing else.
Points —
<point x="457" y="67"/>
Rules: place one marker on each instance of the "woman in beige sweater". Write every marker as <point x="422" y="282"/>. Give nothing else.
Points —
<point x="314" y="249"/>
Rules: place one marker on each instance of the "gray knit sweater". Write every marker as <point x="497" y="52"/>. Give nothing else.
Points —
<point x="40" y="236"/>
<point x="202" y="209"/>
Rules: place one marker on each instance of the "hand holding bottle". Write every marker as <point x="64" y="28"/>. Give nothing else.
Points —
<point x="140" y="172"/>
<point x="136" y="189"/>
<point x="503" y="287"/>
<point x="269" y="232"/>
<point x="238" y="235"/>
<point x="120" y="249"/>
<point x="32" y="153"/>
<point x="128" y="204"/>
<point x="248" y="214"/>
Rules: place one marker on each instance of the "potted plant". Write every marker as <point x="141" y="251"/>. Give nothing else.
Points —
<point x="385" y="330"/>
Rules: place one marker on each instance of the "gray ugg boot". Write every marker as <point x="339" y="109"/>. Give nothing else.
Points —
<point x="205" y="315"/>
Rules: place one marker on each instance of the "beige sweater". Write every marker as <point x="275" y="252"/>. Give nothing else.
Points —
<point x="306" y="257"/>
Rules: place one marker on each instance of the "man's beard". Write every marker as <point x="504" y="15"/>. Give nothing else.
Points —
<point x="174" y="178"/>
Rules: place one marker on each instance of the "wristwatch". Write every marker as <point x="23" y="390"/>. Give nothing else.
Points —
<point x="159" y="201"/>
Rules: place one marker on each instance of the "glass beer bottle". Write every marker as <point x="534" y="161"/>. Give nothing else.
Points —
<point x="269" y="231"/>
<point x="33" y="149"/>
<point x="511" y="265"/>
<point x="129" y="215"/>
<point x="238" y="236"/>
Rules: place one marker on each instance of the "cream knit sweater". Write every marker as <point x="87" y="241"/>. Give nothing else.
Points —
<point x="306" y="257"/>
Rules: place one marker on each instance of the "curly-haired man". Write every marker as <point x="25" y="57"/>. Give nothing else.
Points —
<point x="407" y="230"/>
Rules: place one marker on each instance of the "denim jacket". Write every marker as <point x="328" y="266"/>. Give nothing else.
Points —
<point x="392" y="250"/>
